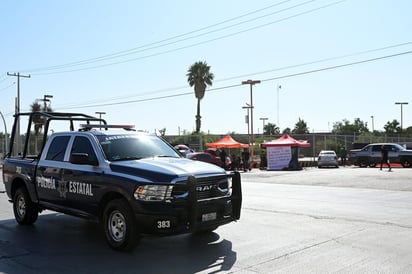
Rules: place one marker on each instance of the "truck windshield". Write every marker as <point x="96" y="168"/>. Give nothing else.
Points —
<point x="134" y="147"/>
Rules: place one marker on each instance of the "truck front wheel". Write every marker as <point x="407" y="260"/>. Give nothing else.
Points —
<point x="25" y="211"/>
<point x="120" y="226"/>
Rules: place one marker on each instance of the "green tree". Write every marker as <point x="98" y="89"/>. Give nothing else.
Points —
<point x="271" y="129"/>
<point x="287" y="131"/>
<point x="392" y="127"/>
<point x="300" y="127"/>
<point x="200" y="77"/>
<point x="346" y="128"/>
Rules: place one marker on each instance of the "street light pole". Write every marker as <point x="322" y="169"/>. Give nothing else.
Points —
<point x="100" y="117"/>
<point x="6" y="145"/>
<point x="278" y="89"/>
<point x="401" y="103"/>
<point x="45" y="100"/>
<point x="251" y="83"/>
<point x="263" y="128"/>
<point x="247" y="119"/>
<point x="373" y="126"/>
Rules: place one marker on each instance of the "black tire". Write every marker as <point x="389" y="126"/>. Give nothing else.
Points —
<point x="363" y="162"/>
<point x="120" y="226"/>
<point x="25" y="211"/>
<point x="406" y="162"/>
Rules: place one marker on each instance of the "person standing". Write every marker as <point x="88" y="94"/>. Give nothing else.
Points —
<point x="245" y="159"/>
<point x="384" y="157"/>
<point x="223" y="158"/>
<point x="343" y="155"/>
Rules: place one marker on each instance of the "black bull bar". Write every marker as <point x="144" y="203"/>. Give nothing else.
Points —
<point x="235" y="198"/>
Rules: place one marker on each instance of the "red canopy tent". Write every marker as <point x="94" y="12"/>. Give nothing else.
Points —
<point x="227" y="142"/>
<point x="282" y="153"/>
<point x="285" y="141"/>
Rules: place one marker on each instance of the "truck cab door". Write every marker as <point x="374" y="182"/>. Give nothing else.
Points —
<point x="49" y="170"/>
<point x="376" y="154"/>
<point x="83" y="177"/>
<point x="393" y="154"/>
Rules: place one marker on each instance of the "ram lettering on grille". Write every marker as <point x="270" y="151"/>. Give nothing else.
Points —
<point x="207" y="189"/>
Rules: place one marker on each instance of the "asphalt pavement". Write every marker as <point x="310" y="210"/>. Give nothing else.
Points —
<point x="329" y="220"/>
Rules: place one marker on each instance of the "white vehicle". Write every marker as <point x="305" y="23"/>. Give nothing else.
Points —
<point x="327" y="158"/>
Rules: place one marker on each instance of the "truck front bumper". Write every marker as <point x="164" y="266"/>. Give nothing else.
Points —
<point x="193" y="215"/>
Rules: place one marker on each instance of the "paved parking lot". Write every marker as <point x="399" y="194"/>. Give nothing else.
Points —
<point x="345" y="220"/>
<point x="348" y="176"/>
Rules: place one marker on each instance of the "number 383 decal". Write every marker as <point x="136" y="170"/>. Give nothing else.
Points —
<point x="163" y="224"/>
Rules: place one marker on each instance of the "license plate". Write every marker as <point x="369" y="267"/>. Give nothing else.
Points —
<point x="208" y="216"/>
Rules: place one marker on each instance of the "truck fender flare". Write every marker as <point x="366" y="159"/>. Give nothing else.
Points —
<point x="31" y="188"/>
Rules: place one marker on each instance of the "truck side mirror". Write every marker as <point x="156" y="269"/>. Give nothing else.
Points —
<point x="82" y="159"/>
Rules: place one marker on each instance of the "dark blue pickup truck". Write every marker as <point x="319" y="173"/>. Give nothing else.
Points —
<point x="132" y="183"/>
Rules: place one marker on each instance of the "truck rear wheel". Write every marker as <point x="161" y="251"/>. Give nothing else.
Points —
<point x="120" y="226"/>
<point x="25" y="211"/>
<point x="406" y="162"/>
<point x="363" y="162"/>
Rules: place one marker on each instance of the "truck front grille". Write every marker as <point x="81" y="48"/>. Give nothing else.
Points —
<point x="215" y="187"/>
<point x="205" y="188"/>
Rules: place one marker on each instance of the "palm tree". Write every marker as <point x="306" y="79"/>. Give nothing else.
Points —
<point x="200" y="77"/>
<point x="38" y="120"/>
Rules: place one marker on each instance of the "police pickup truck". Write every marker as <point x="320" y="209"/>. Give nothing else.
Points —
<point x="133" y="183"/>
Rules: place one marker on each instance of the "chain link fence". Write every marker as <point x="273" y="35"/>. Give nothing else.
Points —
<point x="318" y="141"/>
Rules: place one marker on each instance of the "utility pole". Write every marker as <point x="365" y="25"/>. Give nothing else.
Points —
<point x="18" y="75"/>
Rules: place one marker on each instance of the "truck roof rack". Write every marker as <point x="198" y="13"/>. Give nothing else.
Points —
<point x="87" y="127"/>
<point x="47" y="118"/>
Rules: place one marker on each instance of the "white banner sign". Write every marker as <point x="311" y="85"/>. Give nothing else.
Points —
<point x="278" y="157"/>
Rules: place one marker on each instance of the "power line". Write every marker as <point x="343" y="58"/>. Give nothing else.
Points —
<point x="190" y="45"/>
<point x="319" y="61"/>
<point x="263" y="72"/>
<point x="151" y="45"/>
<point x="237" y="85"/>
<point x="8" y="86"/>
<point x="340" y="66"/>
<point x="3" y="78"/>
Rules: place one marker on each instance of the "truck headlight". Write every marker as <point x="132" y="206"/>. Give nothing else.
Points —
<point x="153" y="193"/>
<point x="226" y="186"/>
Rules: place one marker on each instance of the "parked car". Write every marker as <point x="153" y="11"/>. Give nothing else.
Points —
<point x="183" y="149"/>
<point x="205" y="157"/>
<point x="327" y="158"/>
<point x="370" y="155"/>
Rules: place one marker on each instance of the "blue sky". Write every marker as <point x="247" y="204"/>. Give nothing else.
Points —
<point x="334" y="60"/>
